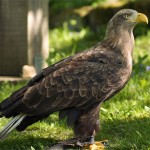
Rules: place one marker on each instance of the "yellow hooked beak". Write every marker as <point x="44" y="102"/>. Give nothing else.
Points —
<point x="141" y="18"/>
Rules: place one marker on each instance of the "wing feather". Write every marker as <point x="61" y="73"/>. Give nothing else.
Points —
<point x="79" y="81"/>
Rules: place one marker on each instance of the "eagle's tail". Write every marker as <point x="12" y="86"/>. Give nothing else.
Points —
<point x="12" y="124"/>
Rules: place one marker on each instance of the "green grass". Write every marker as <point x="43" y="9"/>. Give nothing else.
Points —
<point x="125" y="119"/>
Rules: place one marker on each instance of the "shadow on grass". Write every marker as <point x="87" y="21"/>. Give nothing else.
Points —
<point x="122" y="135"/>
<point x="126" y="134"/>
<point x="26" y="143"/>
<point x="37" y="136"/>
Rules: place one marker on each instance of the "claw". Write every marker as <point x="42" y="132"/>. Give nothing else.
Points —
<point x="97" y="145"/>
<point x="93" y="147"/>
<point x="85" y="144"/>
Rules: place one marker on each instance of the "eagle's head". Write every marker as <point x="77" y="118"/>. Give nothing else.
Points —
<point x="129" y="18"/>
<point x="124" y="20"/>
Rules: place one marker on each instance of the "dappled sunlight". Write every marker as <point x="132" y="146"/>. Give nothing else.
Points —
<point x="35" y="18"/>
<point x="142" y="45"/>
<point x="64" y="36"/>
<point x="127" y="109"/>
<point x="64" y="42"/>
<point x="37" y="32"/>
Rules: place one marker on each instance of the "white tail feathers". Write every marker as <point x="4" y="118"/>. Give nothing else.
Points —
<point x="12" y="124"/>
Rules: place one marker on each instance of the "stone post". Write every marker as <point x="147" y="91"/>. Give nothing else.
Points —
<point x="38" y="42"/>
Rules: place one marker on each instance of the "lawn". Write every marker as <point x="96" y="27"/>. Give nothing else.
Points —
<point x="125" y="119"/>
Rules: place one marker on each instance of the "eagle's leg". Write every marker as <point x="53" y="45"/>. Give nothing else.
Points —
<point x="90" y="144"/>
<point x="86" y="127"/>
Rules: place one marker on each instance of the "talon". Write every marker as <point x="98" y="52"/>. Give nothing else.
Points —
<point x="93" y="147"/>
<point x="96" y="146"/>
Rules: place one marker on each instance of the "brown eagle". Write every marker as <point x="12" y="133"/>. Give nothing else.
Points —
<point x="76" y="86"/>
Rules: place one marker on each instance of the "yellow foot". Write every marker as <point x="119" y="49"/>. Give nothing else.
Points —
<point x="96" y="146"/>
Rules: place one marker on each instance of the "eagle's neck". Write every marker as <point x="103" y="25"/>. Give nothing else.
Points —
<point x="121" y="40"/>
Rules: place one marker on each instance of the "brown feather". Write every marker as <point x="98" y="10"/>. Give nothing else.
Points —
<point x="77" y="85"/>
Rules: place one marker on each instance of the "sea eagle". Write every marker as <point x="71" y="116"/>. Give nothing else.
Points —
<point x="77" y="86"/>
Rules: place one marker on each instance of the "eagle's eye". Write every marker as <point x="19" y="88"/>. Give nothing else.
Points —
<point x="126" y="15"/>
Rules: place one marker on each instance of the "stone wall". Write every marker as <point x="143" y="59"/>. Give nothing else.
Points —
<point x="23" y="35"/>
<point x="13" y="36"/>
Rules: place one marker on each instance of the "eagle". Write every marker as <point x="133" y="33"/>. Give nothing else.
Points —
<point x="77" y="86"/>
